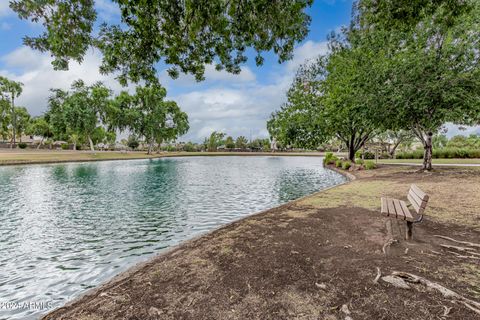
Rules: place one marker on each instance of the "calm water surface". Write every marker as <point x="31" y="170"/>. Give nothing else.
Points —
<point x="65" y="228"/>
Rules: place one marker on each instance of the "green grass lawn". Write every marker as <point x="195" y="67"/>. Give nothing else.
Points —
<point x="435" y="161"/>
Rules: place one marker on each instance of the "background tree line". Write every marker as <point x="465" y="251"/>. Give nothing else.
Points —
<point x="92" y="115"/>
<point x="401" y="66"/>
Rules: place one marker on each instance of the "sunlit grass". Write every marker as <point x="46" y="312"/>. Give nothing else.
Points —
<point x="434" y="161"/>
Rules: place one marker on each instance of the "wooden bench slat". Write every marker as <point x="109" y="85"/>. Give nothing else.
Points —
<point x="419" y="198"/>
<point x="398" y="209"/>
<point x="408" y="215"/>
<point x="422" y="195"/>
<point x="413" y="202"/>
<point x="415" y="197"/>
<point x="391" y="208"/>
<point x="384" y="206"/>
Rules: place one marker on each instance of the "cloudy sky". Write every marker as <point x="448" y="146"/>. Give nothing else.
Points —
<point x="235" y="104"/>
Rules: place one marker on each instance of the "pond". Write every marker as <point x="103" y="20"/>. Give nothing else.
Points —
<point x="66" y="228"/>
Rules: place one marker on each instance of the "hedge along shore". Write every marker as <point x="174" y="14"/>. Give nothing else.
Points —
<point x="17" y="157"/>
<point x="314" y="258"/>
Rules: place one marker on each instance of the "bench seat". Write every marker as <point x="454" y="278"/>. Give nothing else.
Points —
<point x="396" y="209"/>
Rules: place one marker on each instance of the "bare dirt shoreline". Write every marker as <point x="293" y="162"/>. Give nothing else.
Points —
<point x="315" y="258"/>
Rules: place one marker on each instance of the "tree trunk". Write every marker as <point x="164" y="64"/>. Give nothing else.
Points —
<point x="351" y="149"/>
<point x="427" y="155"/>
<point x="150" y="147"/>
<point x="75" y="146"/>
<point x="394" y="148"/>
<point x="14" y="124"/>
<point x="91" y="143"/>
<point x="41" y="142"/>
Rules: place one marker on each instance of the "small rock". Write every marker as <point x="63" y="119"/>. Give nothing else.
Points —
<point x="154" y="311"/>
<point x="321" y="285"/>
<point x="345" y="309"/>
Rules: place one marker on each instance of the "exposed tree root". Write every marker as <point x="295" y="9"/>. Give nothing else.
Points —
<point x="470" y="307"/>
<point x="470" y="244"/>
<point x="379" y="274"/>
<point x="396" y="282"/>
<point x="463" y="256"/>
<point x="447" y="293"/>
<point x="446" y="311"/>
<point x="461" y="249"/>
<point x="387" y="245"/>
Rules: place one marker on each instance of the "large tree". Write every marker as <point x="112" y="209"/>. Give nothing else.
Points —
<point x="4" y="118"/>
<point x="22" y="121"/>
<point x="80" y="111"/>
<point x="328" y="99"/>
<point x="427" y="64"/>
<point x="148" y="115"/>
<point x="186" y="35"/>
<point x="10" y="90"/>
<point x="40" y="127"/>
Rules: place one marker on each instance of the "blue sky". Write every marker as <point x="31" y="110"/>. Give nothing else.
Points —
<point x="235" y="104"/>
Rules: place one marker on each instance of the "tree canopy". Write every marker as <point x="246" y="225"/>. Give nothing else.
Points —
<point x="9" y="91"/>
<point x="401" y="65"/>
<point x="428" y="66"/>
<point x="186" y="35"/>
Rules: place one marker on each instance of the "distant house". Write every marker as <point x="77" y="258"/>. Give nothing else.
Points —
<point x="29" y="139"/>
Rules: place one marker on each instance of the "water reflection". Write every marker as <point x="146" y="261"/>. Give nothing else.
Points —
<point x="68" y="227"/>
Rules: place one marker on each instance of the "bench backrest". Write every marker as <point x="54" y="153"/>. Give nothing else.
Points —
<point x="418" y="199"/>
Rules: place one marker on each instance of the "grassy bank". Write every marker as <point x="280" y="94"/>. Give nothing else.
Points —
<point x="8" y="157"/>
<point x="316" y="258"/>
<point x="434" y="161"/>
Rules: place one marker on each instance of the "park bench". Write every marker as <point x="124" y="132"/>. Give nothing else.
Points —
<point x="400" y="209"/>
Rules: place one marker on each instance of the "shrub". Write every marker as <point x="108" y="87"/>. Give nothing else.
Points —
<point x="64" y="146"/>
<point x="369" y="165"/>
<point x="384" y="155"/>
<point x="359" y="161"/>
<point x="346" y="165"/>
<point x="368" y="155"/>
<point x="444" y="153"/>
<point x="133" y="142"/>
<point x="338" y="163"/>
<point x="417" y="154"/>
<point x="329" y="158"/>
<point x="22" y="145"/>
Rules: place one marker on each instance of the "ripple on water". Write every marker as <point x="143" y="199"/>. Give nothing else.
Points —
<point x="68" y="227"/>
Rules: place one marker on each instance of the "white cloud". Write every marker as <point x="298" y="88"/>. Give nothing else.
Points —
<point x="241" y="106"/>
<point x="107" y="10"/>
<point x="308" y="51"/>
<point x="453" y="130"/>
<point x="235" y="104"/>
<point x="212" y="77"/>
<point x="35" y="71"/>
<point x="235" y="111"/>
<point x="4" y="8"/>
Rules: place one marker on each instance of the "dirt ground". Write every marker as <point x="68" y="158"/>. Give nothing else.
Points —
<point x="316" y="258"/>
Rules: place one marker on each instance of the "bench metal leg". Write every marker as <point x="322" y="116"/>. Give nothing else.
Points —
<point x="408" y="236"/>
